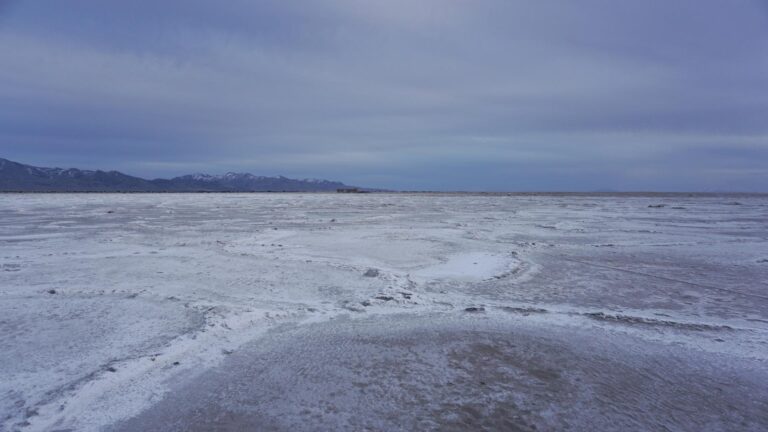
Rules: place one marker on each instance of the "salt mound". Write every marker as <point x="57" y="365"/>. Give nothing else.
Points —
<point x="468" y="267"/>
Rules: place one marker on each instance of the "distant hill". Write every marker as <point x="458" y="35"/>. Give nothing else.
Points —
<point x="17" y="177"/>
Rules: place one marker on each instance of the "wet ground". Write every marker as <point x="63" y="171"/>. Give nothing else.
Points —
<point x="459" y="372"/>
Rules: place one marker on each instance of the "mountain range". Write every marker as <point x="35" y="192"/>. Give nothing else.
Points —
<point x="17" y="177"/>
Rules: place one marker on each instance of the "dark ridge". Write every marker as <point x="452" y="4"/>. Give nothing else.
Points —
<point x="17" y="177"/>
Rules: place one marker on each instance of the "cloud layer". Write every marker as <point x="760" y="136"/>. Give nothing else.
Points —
<point x="429" y="94"/>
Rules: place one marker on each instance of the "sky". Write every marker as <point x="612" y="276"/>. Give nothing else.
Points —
<point x="507" y="95"/>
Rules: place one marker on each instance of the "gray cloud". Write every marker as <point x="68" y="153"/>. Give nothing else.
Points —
<point x="435" y="94"/>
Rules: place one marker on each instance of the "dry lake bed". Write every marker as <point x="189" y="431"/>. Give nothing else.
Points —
<point x="290" y="312"/>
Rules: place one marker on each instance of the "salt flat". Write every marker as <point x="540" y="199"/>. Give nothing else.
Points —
<point x="383" y="312"/>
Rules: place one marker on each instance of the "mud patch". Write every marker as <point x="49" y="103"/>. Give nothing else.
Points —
<point x="525" y="311"/>
<point x="633" y="320"/>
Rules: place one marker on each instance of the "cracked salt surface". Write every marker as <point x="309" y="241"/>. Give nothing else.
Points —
<point x="383" y="311"/>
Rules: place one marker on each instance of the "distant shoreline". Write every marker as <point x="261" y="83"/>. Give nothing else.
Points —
<point x="606" y="194"/>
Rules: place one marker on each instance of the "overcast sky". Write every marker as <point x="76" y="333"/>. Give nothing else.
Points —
<point x="405" y="94"/>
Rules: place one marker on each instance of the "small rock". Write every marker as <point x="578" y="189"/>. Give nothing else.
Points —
<point x="385" y="298"/>
<point x="227" y="351"/>
<point x="333" y="220"/>
<point x="176" y="363"/>
<point x="371" y="272"/>
<point x="365" y="303"/>
<point x="110" y="211"/>
<point x="51" y="291"/>
<point x="657" y="205"/>
<point x="111" y="369"/>
<point x="474" y="309"/>
<point x="352" y="307"/>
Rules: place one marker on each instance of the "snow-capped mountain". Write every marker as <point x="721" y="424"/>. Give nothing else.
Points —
<point x="17" y="177"/>
<point x="249" y="182"/>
